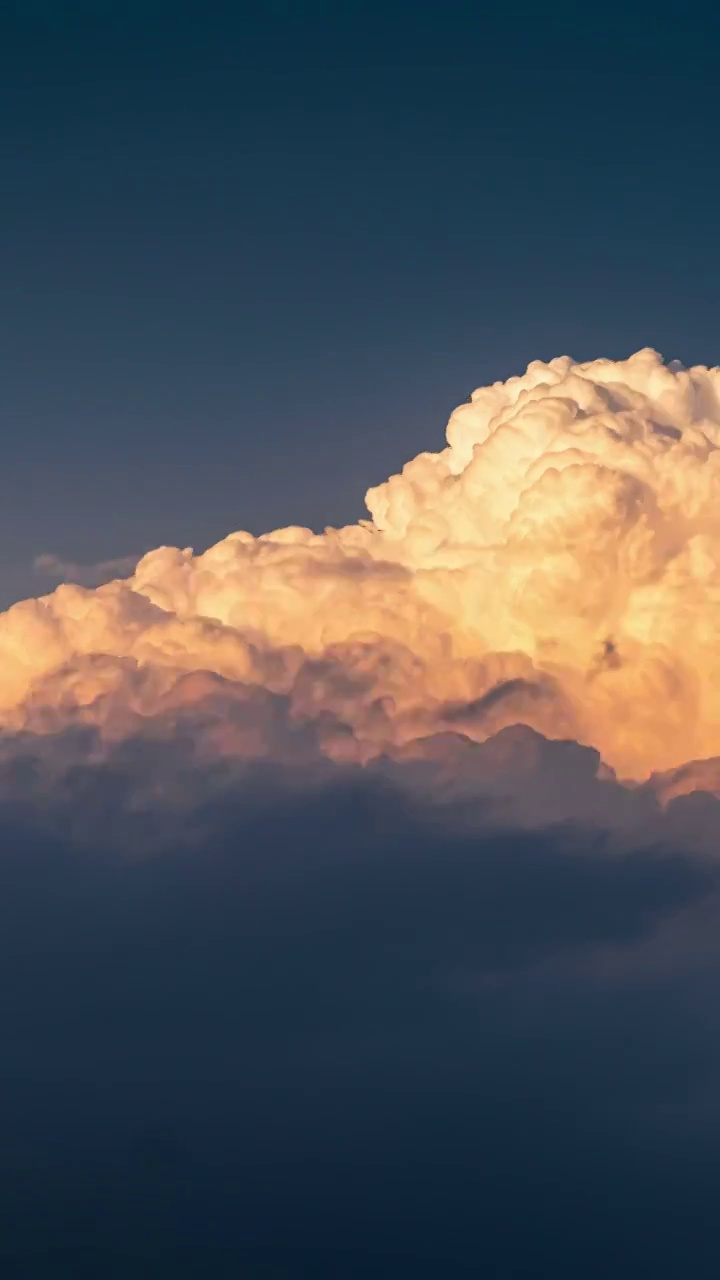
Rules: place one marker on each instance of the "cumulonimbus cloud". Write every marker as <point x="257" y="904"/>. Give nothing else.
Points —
<point x="439" y="924"/>
<point x="555" y="565"/>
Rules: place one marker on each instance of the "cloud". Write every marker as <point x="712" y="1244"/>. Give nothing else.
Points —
<point x="89" y="575"/>
<point x="556" y="564"/>
<point x="359" y="890"/>
<point x="392" y="1023"/>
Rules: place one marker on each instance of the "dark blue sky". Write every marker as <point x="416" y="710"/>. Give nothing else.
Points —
<point x="252" y="256"/>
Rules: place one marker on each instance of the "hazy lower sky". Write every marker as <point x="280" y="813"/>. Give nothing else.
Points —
<point x="252" y="256"/>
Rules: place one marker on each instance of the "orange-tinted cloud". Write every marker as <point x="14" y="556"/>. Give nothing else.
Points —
<point x="556" y="565"/>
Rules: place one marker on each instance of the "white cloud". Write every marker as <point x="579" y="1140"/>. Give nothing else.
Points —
<point x="557" y="564"/>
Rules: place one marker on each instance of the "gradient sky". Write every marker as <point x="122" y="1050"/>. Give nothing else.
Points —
<point x="252" y="256"/>
<point x="454" y="1012"/>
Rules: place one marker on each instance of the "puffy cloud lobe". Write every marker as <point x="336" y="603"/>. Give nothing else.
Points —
<point x="556" y="565"/>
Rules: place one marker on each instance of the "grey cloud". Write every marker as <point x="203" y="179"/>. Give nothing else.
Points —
<point x="500" y="693"/>
<point x="328" y="1024"/>
<point x="87" y="575"/>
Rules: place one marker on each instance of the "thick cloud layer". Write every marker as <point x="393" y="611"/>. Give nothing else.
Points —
<point x="338" y="1028"/>
<point x="359" y="892"/>
<point x="556" y="565"/>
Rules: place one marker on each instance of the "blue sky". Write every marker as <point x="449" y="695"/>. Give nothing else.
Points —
<point x="252" y="256"/>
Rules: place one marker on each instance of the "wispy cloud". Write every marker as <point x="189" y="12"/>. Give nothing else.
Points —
<point x="87" y="575"/>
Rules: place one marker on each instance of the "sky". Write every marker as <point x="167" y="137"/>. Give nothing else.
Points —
<point x="253" y="256"/>
<point x="359" y="890"/>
